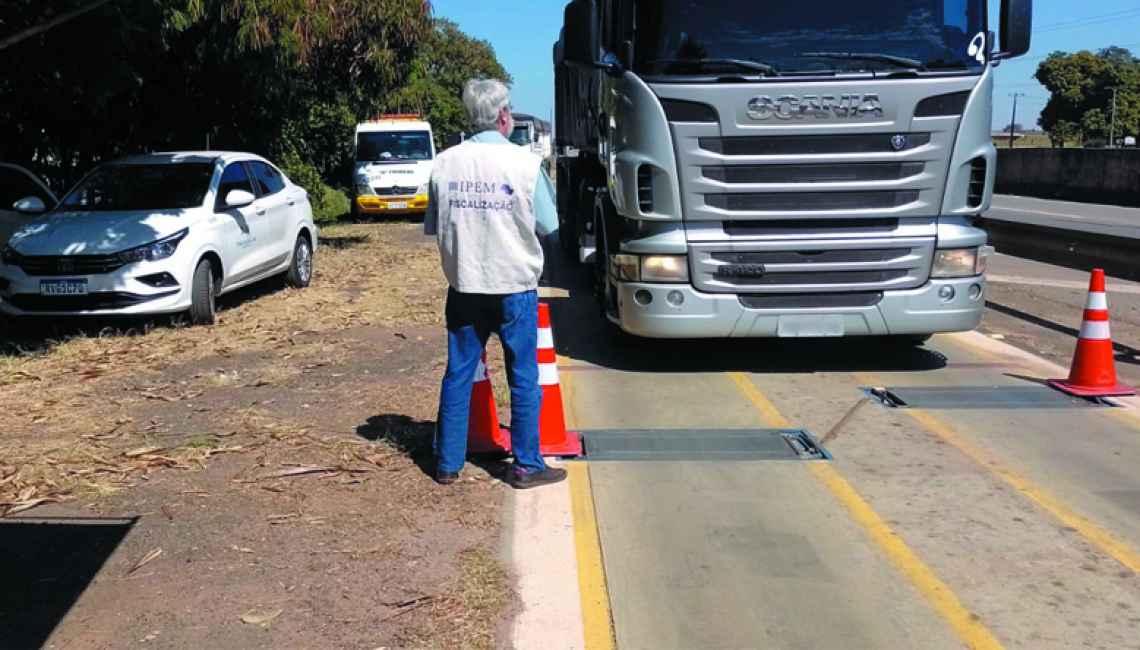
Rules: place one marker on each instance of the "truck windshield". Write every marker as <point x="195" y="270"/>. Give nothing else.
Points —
<point x="708" y="37"/>
<point x="520" y="135"/>
<point x="381" y="146"/>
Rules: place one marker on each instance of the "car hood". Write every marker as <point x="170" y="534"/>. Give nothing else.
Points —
<point x="96" y="233"/>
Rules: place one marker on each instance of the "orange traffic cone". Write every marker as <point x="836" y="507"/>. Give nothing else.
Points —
<point x="484" y="435"/>
<point x="1093" y="373"/>
<point x="554" y="439"/>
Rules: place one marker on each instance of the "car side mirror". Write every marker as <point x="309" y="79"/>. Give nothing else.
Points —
<point x="239" y="198"/>
<point x="30" y="205"/>
<point x="1016" y="27"/>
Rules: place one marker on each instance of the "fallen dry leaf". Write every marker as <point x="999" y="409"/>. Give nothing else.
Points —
<point x="141" y="451"/>
<point x="146" y="558"/>
<point x="262" y="618"/>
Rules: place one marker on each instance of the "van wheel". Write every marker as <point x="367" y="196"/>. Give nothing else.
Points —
<point x="202" y="298"/>
<point x="301" y="269"/>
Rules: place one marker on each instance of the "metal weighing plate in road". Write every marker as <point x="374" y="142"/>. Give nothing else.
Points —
<point x="981" y="397"/>
<point x="702" y="444"/>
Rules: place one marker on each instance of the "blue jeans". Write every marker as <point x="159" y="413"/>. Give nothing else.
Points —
<point x="471" y="318"/>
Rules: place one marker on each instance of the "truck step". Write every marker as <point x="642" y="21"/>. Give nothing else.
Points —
<point x="587" y="249"/>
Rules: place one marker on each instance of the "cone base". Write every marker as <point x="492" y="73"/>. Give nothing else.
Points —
<point x="1119" y="390"/>
<point x="500" y="444"/>
<point x="571" y="447"/>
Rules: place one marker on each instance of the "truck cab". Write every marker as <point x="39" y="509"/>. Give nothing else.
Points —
<point x="767" y="169"/>
<point x="394" y="157"/>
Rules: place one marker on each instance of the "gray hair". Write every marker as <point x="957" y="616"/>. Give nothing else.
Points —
<point x="484" y="98"/>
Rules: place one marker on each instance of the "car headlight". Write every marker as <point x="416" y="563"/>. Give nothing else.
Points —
<point x="158" y="250"/>
<point x="9" y="255"/>
<point x="364" y="189"/>
<point x="960" y="262"/>
<point x="423" y="190"/>
<point x="650" y="268"/>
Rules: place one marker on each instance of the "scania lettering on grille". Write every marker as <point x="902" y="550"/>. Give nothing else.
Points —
<point x="792" y="107"/>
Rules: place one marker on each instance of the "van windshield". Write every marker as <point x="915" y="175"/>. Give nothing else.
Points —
<point x="767" y="37"/>
<point x="380" y="146"/>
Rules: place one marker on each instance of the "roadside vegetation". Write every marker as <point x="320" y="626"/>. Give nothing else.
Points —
<point x="287" y="80"/>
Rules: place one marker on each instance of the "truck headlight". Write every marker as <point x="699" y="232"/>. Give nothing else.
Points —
<point x="158" y="250"/>
<point x="960" y="262"/>
<point x="665" y="268"/>
<point x="423" y="190"/>
<point x="364" y="189"/>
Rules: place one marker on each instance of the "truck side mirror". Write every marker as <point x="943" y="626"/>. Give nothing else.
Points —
<point x="580" y="35"/>
<point x="1016" y="27"/>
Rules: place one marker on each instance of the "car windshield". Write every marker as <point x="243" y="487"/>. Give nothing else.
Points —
<point x="766" y="37"/>
<point x="393" y="145"/>
<point x="170" y="186"/>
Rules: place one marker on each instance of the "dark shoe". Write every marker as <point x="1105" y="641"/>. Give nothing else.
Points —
<point x="522" y="479"/>
<point x="446" y="478"/>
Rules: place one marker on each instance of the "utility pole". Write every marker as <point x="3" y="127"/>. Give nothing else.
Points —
<point x="1013" y="118"/>
<point x="1112" y="129"/>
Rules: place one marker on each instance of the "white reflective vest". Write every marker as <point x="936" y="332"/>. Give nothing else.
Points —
<point x="484" y="197"/>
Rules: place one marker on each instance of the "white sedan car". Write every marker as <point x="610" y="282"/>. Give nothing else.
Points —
<point x="159" y="233"/>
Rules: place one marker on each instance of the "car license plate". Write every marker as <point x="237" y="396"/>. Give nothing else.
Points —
<point x="397" y="205"/>
<point x="793" y="326"/>
<point x="63" y="287"/>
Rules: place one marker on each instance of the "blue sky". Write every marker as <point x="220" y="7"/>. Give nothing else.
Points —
<point x="524" y="35"/>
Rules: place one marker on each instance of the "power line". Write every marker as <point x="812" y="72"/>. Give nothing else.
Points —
<point x="1089" y="20"/>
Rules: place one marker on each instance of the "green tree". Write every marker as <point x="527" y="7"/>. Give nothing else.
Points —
<point x="1081" y="87"/>
<point x="445" y="63"/>
<point x="1061" y="132"/>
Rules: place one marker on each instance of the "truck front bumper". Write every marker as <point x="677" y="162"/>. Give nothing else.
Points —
<point x="717" y="315"/>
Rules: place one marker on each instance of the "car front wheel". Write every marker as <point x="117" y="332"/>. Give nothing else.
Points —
<point x="301" y="270"/>
<point x="202" y="298"/>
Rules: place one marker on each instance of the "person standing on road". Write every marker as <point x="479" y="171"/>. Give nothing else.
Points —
<point x="488" y="204"/>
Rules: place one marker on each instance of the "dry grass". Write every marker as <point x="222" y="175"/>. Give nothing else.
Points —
<point x="61" y="381"/>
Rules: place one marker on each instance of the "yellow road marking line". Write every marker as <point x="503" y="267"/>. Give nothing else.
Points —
<point x="597" y="617"/>
<point x="597" y="620"/>
<point x="1092" y="533"/>
<point x="966" y="624"/>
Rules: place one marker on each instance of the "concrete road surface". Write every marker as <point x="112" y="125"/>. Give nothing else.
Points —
<point x="931" y="527"/>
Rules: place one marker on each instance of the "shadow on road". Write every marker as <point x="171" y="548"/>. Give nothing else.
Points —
<point x="46" y="565"/>
<point x="1125" y="353"/>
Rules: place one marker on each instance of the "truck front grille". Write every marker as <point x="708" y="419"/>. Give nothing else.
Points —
<point x="837" y="173"/>
<point x="812" y="267"/>
<point x="785" y="145"/>
<point x="811" y="202"/>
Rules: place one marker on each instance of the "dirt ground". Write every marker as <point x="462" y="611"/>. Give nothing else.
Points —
<point x="261" y="483"/>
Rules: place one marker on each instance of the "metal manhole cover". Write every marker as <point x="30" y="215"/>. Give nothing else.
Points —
<point x="702" y="444"/>
<point x="977" y="397"/>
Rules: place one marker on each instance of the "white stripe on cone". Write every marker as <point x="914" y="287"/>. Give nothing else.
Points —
<point x="548" y="374"/>
<point x="481" y="372"/>
<point x="1095" y="330"/>
<point x="545" y="338"/>
<point x="1096" y="300"/>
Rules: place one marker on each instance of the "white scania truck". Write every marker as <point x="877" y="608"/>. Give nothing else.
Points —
<point x="758" y="168"/>
<point x="394" y="156"/>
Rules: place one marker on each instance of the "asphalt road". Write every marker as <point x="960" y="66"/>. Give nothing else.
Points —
<point x="931" y="527"/>
<point x="1088" y="217"/>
